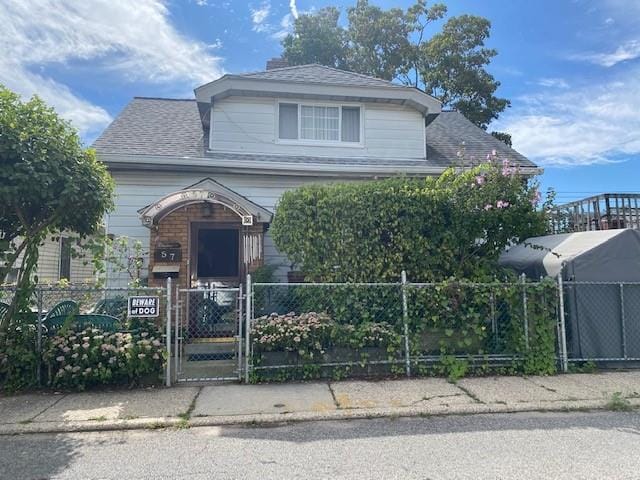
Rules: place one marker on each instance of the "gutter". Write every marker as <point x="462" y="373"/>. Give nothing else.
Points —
<point x="204" y="164"/>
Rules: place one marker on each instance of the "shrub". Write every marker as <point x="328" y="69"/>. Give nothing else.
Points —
<point x="89" y="357"/>
<point x="306" y="334"/>
<point x="19" y="359"/>
<point x="310" y="334"/>
<point x="455" y="225"/>
<point x="368" y="335"/>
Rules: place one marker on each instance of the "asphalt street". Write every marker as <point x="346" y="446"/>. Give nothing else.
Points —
<point x="578" y="445"/>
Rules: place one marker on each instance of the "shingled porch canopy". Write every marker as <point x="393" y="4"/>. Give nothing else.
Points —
<point x="213" y="234"/>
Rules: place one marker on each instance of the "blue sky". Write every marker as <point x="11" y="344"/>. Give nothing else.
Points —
<point x="571" y="68"/>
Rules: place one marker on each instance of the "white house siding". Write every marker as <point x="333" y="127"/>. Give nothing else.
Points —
<point x="48" y="269"/>
<point x="135" y="190"/>
<point x="248" y="125"/>
<point x="49" y="264"/>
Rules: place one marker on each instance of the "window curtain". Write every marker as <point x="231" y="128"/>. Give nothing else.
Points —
<point x="320" y="123"/>
<point x="288" y="121"/>
<point x="350" y="124"/>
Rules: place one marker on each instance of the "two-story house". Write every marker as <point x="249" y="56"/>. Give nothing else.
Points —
<point x="198" y="180"/>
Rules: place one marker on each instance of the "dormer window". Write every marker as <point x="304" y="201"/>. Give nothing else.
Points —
<point x="319" y="123"/>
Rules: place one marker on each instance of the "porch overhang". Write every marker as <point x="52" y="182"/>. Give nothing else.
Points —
<point x="205" y="191"/>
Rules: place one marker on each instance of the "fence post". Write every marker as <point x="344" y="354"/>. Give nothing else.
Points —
<point x="247" y="342"/>
<point x="564" y="363"/>
<point x="405" y="321"/>
<point x="525" y="313"/>
<point x="168" y="340"/>
<point x="177" y="335"/>
<point x="623" y="322"/>
<point x="39" y="337"/>
<point x="239" y="332"/>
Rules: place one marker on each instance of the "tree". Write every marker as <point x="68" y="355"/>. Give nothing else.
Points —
<point x="378" y="42"/>
<point x="503" y="137"/>
<point x="393" y="44"/>
<point x="453" y="67"/>
<point x="49" y="184"/>
<point x="321" y="40"/>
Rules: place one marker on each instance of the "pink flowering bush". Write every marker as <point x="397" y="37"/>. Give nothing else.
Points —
<point x="312" y="334"/>
<point x="306" y="334"/>
<point x="76" y="360"/>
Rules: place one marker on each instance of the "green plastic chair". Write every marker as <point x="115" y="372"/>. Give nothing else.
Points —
<point x="114" y="307"/>
<point x="59" y="314"/>
<point x="103" y="322"/>
<point x="4" y="309"/>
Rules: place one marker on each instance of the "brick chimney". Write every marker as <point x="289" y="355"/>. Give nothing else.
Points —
<point x="277" y="62"/>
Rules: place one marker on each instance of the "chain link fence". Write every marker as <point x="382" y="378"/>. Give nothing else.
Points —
<point x="603" y="322"/>
<point x="283" y="331"/>
<point x="314" y="330"/>
<point x="208" y="328"/>
<point x="52" y="323"/>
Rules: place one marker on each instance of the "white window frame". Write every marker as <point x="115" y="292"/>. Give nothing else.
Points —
<point x="320" y="143"/>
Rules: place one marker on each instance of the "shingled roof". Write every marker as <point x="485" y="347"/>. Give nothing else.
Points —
<point x="172" y="128"/>
<point x="319" y="74"/>
<point x="450" y="132"/>
<point x="155" y="126"/>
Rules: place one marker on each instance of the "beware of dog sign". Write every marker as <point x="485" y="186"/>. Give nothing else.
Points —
<point x="143" y="306"/>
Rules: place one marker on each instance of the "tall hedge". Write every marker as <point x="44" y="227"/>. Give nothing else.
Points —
<point x="455" y="225"/>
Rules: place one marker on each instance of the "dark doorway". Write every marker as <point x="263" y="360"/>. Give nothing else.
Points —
<point x="218" y="251"/>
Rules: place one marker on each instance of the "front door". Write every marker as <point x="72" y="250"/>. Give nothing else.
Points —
<point x="215" y="268"/>
<point x="215" y="255"/>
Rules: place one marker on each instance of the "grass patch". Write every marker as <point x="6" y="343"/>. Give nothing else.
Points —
<point x="183" y="423"/>
<point x="617" y="403"/>
<point x="102" y="418"/>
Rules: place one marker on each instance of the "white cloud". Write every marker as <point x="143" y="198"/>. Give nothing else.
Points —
<point x="259" y="17"/>
<point x="294" y="8"/>
<point x="89" y="119"/>
<point x="285" y="27"/>
<point x="628" y="51"/>
<point x="134" y="43"/>
<point x="553" y="82"/>
<point x="582" y="126"/>
<point x="261" y="23"/>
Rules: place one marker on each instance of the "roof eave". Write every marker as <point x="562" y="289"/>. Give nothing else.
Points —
<point x="148" y="162"/>
<point x="233" y="85"/>
<point x="205" y="164"/>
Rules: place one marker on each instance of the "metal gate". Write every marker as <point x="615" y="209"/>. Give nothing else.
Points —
<point x="208" y="334"/>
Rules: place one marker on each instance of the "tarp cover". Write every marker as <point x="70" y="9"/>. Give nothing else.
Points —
<point x="598" y="256"/>
<point x="603" y="313"/>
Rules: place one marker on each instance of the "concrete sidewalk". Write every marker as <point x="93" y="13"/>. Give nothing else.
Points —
<point x="225" y="404"/>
